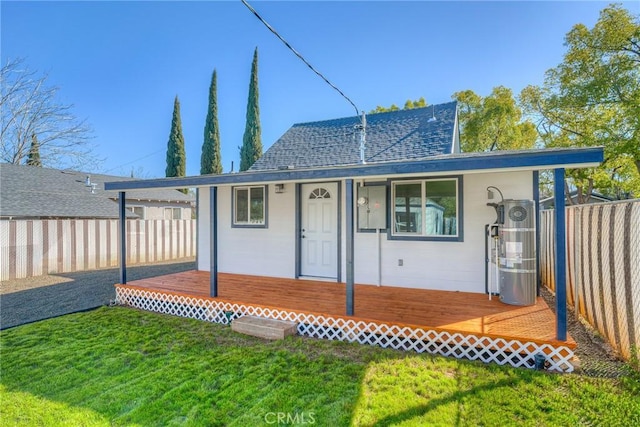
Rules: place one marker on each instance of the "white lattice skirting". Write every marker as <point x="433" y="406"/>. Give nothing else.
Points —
<point x="454" y="344"/>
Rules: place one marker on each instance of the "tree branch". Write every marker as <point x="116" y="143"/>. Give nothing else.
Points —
<point x="29" y="107"/>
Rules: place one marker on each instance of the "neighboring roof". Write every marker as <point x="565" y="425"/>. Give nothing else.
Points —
<point x="595" y="197"/>
<point x="33" y="192"/>
<point x="445" y="164"/>
<point x="393" y="136"/>
<point x="155" y="195"/>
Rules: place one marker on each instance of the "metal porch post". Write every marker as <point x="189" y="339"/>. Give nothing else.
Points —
<point x="536" y="205"/>
<point x="197" y="225"/>
<point x="213" y="242"/>
<point x="561" y="271"/>
<point x="349" y="236"/>
<point x="122" y="215"/>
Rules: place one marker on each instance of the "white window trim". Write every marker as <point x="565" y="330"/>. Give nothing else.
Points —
<point x="249" y="224"/>
<point x="422" y="235"/>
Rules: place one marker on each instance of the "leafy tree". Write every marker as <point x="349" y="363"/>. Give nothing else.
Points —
<point x="29" y="106"/>
<point x="210" y="161"/>
<point x="381" y="109"/>
<point x="408" y="105"/>
<point x="493" y="122"/>
<point x="419" y="103"/>
<point x="593" y="98"/>
<point x="251" y="149"/>
<point x="176" y="157"/>
<point x="33" y="158"/>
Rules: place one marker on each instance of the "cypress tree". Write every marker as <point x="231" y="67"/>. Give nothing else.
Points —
<point x="176" y="157"/>
<point x="33" y="158"/>
<point x="211" y="160"/>
<point x="251" y="149"/>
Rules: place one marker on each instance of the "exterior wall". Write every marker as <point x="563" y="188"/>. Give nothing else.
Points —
<point x="457" y="266"/>
<point x="258" y="251"/>
<point x="155" y="210"/>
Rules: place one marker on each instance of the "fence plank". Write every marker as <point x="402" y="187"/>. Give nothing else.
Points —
<point x="604" y="255"/>
<point x="631" y="227"/>
<point x="37" y="247"/>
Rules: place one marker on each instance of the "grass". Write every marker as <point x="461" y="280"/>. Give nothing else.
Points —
<point x="117" y="366"/>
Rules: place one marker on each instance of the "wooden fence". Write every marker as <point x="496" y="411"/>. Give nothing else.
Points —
<point x="33" y="248"/>
<point x="603" y="267"/>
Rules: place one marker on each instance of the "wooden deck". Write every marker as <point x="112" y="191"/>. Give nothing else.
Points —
<point x="437" y="310"/>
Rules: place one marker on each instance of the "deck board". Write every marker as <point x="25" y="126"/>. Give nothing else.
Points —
<point x="441" y="310"/>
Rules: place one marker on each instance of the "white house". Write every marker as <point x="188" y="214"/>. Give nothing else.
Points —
<point x="406" y="210"/>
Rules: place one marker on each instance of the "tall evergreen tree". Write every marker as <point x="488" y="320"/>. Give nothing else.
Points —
<point x="251" y="149"/>
<point x="33" y="158"/>
<point x="176" y="157"/>
<point x="211" y="161"/>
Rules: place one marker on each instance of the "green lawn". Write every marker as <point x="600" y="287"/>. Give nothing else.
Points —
<point x="118" y="366"/>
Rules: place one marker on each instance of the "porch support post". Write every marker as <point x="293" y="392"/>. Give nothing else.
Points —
<point x="213" y="242"/>
<point x="561" y="271"/>
<point x="197" y="225"/>
<point x="349" y="236"/>
<point x="536" y="206"/>
<point x="122" y="215"/>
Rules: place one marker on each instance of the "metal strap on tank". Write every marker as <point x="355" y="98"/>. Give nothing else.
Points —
<point x="515" y="270"/>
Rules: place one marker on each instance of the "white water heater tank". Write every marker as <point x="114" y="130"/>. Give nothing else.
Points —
<point x="517" y="252"/>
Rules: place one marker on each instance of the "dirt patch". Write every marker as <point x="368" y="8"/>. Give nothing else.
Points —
<point x="597" y="357"/>
<point x="17" y="285"/>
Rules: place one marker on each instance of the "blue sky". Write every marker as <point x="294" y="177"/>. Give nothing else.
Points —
<point x="122" y="63"/>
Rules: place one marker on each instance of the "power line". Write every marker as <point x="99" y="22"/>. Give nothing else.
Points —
<point x="135" y="160"/>
<point x="299" y="55"/>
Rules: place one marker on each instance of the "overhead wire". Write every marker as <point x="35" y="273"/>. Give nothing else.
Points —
<point x="292" y="49"/>
<point x="135" y="160"/>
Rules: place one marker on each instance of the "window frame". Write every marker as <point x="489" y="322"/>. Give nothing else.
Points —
<point x="393" y="235"/>
<point x="265" y="205"/>
<point x="132" y="208"/>
<point x="173" y="213"/>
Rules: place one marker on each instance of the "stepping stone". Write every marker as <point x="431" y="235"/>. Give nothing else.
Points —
<point x="262" y="327"/>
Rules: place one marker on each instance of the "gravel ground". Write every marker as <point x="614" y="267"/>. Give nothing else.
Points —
<point x="37" y="298"/>
<point x="597" y="357"/>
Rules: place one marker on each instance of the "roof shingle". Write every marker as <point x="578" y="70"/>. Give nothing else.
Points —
<point x="29" y="191"/>
<point x="392" y="136"/>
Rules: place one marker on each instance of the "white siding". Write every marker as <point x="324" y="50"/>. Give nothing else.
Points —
<point x="259" y="251"/>
<point x="156" y="210"/>
<point x="457" y="266"/>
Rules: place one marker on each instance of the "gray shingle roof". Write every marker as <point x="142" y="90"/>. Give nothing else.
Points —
<point x="27" y="191"/>
<point x="393" y="136"/>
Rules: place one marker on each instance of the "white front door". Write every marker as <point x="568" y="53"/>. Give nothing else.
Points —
<point x="319" y="230"/>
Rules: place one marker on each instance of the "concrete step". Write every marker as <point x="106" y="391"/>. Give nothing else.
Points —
<point x="264" y="328"/>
